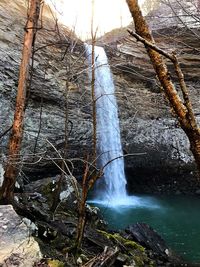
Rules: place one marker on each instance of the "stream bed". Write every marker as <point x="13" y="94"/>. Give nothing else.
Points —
<point x="175" y="218"/>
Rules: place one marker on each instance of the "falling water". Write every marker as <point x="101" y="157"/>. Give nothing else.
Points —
<point x="112" y="186"/>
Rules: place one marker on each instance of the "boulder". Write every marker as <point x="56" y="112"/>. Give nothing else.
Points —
<point x="17" y="247"/>
<point x="154" y="244"/>
<point x="149" y="238"/>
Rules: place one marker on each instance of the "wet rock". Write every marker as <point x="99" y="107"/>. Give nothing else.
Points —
<point x="148" y="237"/>
<point x="17" y="247"/>
<point x="197" y="192"/>
<point x="155" y="246"/>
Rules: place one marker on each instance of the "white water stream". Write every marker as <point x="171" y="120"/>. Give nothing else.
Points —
<point x="112" y="186"/>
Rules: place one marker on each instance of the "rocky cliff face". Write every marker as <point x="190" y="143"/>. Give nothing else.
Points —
<point x="147" y="123"/>
<point x="57" y="81"/>
<point x="149" y="131"/>
<point x="175" y="13"/>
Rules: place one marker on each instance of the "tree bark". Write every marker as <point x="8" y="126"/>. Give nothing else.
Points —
<point x="94" y="116"/>
<point x="82" y="209"/>
<point x="194" y="138"/>
<point x="183" y="111"/>
<point x="11" y="170"/>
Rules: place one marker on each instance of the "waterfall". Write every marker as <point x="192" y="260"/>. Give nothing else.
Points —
<point x="112" y="186"/>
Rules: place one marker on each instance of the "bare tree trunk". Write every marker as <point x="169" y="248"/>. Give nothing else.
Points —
<point x="81" y="210"/>
<point x="94" y="122"/>
<point x="183" y="111"/>
<point x="11" y="171"/>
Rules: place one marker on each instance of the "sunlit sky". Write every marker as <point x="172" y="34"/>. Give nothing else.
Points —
<point x="108" y="14"/>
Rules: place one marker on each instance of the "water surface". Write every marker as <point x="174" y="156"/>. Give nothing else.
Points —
<point x="175" y="218"/>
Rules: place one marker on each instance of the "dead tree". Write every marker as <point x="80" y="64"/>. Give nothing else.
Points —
<point x="182" y="110"/>
<point x="11" y="170"/>
<point x="94" y="120"/>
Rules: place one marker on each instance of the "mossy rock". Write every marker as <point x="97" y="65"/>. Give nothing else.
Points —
<point x="48" y="190"/>
<point x="135" y="252"/>
<point x="117" y="238"/>
<point x="55" y="263"/>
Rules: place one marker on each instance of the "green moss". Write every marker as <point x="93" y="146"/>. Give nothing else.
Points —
<point x="134" y="245"/>
<point x="48" y="189"/>
<point x="129" y="244"/>
<point x="55" y="263"/>
<point x="134" y="252"/>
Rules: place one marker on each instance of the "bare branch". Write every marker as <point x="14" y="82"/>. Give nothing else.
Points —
<point x="151" y="45"/>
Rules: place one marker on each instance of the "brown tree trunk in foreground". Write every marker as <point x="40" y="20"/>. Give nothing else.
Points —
<point x="183" y="111"/>
<point x="82" y="210"/>
<point x="11" y="171"/>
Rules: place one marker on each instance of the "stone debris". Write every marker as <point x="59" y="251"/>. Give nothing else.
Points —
<point x="17" y="247"/>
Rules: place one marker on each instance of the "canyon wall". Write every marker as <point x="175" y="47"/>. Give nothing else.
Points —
<point x="156" y="150"/>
